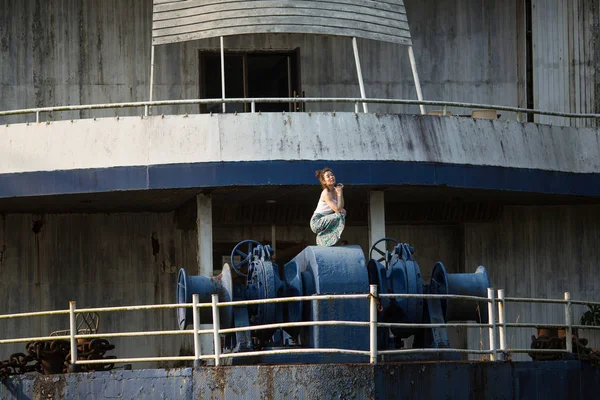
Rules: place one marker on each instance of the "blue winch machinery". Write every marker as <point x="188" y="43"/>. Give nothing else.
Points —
<point x="252" y="275"/>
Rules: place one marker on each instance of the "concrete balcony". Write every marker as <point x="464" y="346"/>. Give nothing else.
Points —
<point x="254" y="149"/>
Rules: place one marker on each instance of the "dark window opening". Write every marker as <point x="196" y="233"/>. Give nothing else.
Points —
<point x="250" y="75"/>
<point x="529" y="58"/>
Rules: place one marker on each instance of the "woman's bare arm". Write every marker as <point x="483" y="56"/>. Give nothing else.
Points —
<point x="327" y="198"/>
<point x="339" y="190"/>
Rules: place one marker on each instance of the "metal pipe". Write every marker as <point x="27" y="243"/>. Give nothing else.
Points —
<point x="253" y="107"/>
<point x="147" y="109"/>
<point x="359" y="71"/>
<point x="142" y="308"/>
<point x="441" y="325"/>
<point x="144" y="333"/>
<point x="568" y="322"/>
<point x="216" y="328"/>
<point x="492" y="321"/>
<point x="533" y="325"/>
<point x="37" y="117"/>
<point x="223" y="73"/>
<point x="142" y="359"/>
<point x="530" y="350"/>
<point x="289" y="81"/>
<point x="434" y="350"/>
<point x="373" y="323"/>
<point x="72" y="332"/>
<point x="501" y="323"/>
<point x="413" y="66"/>
<point x="294" y="351"/>
<point x="302" y="100"/>
<point x="196" y="325"/>
<point x="296" y="298"/>
<point x="293" y="325"/>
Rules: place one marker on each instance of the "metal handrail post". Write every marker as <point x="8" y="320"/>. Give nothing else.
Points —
<point x="492" y="322"/>
<point x="223" y="74"/>
<point x="502" y="324"/>
<point x="361" y="84"/>
<point x="148" y="110"/>
<point x="568" y="323"/>
<point x="72" y="333"/>
<point x="373" y="324"/>
<point x="413" y="66"/>
<point x="196" y="316"/>
<point x="216" y="328"/>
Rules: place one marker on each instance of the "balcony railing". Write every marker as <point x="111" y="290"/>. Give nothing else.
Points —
<point x="521" y="113"/>
<point x="497" y="327"/>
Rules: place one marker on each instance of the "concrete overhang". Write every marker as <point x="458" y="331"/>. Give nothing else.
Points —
<point x="197" y="152"/>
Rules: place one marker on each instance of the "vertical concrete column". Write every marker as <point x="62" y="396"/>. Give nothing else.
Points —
<point x="205" y="240"/>
<point x="376" y="217"/>
<point x="205" y="256"/>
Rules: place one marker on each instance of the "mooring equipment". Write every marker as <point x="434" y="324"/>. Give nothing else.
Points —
<point x="253" y="275"/>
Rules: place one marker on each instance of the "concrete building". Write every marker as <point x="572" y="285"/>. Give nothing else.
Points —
<point x="104" y="205"/>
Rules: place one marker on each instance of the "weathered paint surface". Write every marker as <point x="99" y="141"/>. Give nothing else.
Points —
<point x="189" y="20"/>
<point x="534" y="380"/>
<point x="539" y="252"/>
<point x="72" y="52"/>
<point x="132" y="141"/>
<point x="565" y="48"/>
<point x="97" y="260"/>
<point x="265" y="149"/>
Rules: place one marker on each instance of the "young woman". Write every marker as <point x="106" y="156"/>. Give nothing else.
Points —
<point x="329" y="219"/>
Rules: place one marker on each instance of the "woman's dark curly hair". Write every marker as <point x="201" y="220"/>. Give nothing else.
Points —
<point x="319" y="174"/>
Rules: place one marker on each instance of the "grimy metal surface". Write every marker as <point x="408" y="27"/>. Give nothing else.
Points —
<point x="531" y="380"/>
<point x="564" y="54"/>
<point x="98" y="51"/>
<point x="184" y="20"/>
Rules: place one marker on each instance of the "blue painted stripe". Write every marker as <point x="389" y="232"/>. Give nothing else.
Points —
<point x="257" y="173"/>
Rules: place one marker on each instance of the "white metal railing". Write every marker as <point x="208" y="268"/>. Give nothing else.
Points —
<point x="496" y="315"/>
<point x="147" y="105"/>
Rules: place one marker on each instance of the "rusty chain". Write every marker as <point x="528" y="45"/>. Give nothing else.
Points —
<point x="580" y="351"/>
<point x="53" y="357"/>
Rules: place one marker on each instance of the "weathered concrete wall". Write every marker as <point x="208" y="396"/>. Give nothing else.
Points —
<point x="549" y="380"/>
<point x="71" y="52"/>
<point x="97" y="260"/>
<point x="539" y="252"/>
<point x="132" y="141"/>
<point x="565" y="53"/>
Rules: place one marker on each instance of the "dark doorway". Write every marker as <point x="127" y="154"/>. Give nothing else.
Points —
<point x="250" y="75"/>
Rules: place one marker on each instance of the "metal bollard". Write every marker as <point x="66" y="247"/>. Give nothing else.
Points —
<point x="72" y="333"/>
<point x="502" y="323"/>
<point x="196" y="324"/>
<point x="492" y="322"/>
<point x="373" y="323"/>
<point x="216" y="329"/>
<point x="569" y="323"/>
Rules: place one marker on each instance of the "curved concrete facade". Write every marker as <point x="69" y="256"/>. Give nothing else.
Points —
<point x="284" y="149"/>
